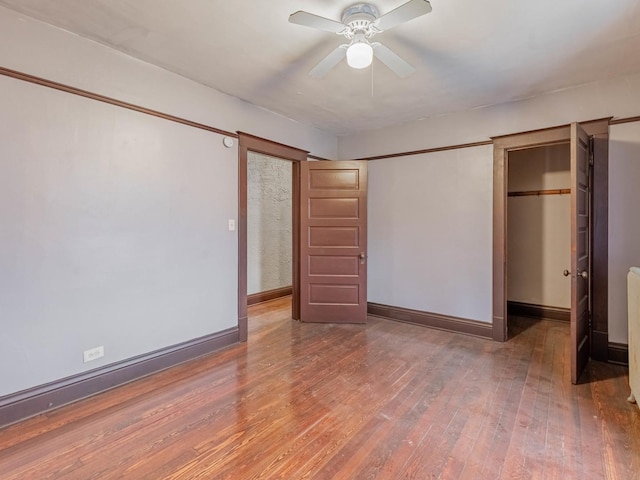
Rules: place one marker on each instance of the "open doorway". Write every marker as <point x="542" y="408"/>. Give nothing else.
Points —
<point x="269" y="228"/>
<point x="539" y="232"/>
<point x="328" y="242"/>
<point x="247" y="144"/>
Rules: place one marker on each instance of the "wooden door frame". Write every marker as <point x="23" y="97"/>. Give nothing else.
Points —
<point x="250" y="143"/>
<point x="502" y="145"/>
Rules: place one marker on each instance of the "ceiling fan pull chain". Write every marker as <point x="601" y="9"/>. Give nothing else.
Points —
<point x="372" y="79"/>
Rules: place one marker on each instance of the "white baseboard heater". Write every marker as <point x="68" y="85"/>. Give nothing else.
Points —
<point x="633" y="289"/>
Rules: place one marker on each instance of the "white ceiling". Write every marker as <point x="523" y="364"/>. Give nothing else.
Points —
<point x="467" y="53"/>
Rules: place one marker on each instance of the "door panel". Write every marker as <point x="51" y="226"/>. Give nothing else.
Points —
<point x="320" y="294"/>
<point x="322" y="265"/>
<point x="580" y="264"/>
<point x="331" y="237"/>
<point x="333" y="208"/>
<point x="333" y="242"/>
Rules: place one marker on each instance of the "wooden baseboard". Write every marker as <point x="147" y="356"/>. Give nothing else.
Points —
<point x="34" y="401"/>
<point x="600" y="346"/>
<point x="538" y="311"/>
<point x="269" y="295"/>
<point x="432" y="320"/>
<point x="618" y="353"/>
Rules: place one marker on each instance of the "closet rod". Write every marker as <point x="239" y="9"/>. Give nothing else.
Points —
<point x="530" y="193"/>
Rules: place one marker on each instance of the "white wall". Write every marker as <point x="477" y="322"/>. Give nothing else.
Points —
<point x="114" y="223"/>
<point x="619" y="97"/>
<point x="429" y="232"/>
<point x="539" y="228"/>
<point x="624" y="221"/>
<point x="269" y="223"/>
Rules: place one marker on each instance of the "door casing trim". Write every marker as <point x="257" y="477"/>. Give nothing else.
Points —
<point x="247" y="143"/>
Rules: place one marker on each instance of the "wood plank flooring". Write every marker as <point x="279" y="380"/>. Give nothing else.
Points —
<point x="384" y="400"/>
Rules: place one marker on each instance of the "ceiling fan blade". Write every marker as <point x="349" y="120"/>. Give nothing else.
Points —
<point x="307" y="19"/>
<point x="392" y="60"/>
<point x="328" y="62"/>
<point x="404" y="13"/>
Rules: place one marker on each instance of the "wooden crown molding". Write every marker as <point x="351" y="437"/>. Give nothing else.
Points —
<point x="109" y="100"/>
<point x="593" y="127"/>
<point x="130" y="106"/>
<point x="427" y="150"/>
<point x="618" y="121"/>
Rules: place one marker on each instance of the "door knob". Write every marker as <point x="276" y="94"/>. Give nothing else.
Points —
<point x="584" y="274"/>
<point x="362" y="257"/>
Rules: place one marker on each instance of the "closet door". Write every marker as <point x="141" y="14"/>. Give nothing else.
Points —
<point x="580" y="248"/>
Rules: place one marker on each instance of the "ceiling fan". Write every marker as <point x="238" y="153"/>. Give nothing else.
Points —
<point x="360" y="23"/>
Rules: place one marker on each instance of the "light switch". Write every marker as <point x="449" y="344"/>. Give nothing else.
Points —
<point x="232" y="224"/>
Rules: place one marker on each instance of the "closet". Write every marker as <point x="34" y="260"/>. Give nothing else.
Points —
<point x="538" y="232"/>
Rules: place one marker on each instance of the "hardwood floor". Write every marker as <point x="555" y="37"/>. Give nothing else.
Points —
<point x="384" y="400"/>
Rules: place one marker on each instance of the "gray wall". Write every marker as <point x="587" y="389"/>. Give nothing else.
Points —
<point x="624" y="221"/>
<point x="114" y="233"/>
<point x="269" y="226"/>
<point x="429" y="232"/>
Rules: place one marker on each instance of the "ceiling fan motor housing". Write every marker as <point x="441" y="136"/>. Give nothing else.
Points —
<point x="359" y="18"/>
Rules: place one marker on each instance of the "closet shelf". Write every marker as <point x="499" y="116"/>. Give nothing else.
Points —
<point x="532" y="193"/>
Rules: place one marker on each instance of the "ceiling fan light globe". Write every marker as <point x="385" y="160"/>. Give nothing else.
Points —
<point x="359" y="55"/>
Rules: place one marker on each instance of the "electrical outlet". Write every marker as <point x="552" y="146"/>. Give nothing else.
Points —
<point x="93" y="354"/>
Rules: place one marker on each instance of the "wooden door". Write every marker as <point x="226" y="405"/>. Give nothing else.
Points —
<point x="333" y="242"/>
<point x="580" y="247"/>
